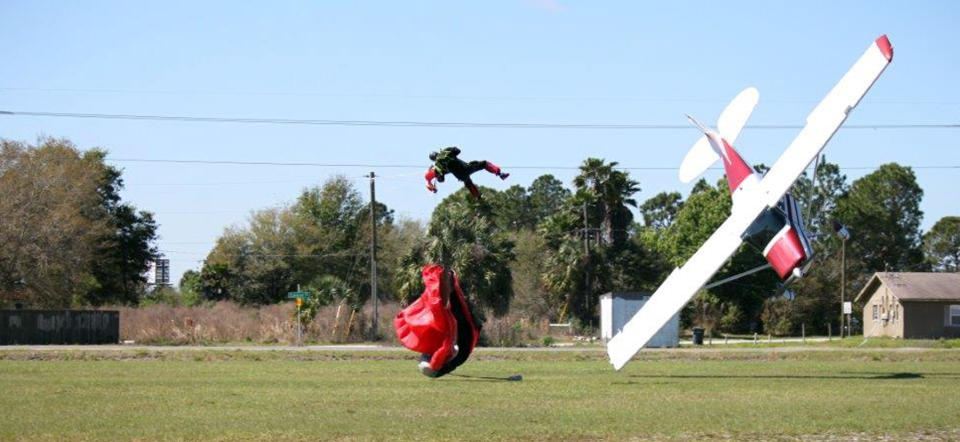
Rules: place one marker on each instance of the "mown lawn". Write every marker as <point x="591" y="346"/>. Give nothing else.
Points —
<point x="850" y="342"/>
<point x="304" y="396"/>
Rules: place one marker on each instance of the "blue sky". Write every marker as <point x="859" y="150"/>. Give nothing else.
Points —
<point x="536" y="61"/>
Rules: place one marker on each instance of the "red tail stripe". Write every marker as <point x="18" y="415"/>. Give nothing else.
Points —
<point x="737" y="170"/>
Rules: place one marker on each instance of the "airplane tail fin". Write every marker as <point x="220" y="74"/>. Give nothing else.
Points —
<point x="702" y="155"/>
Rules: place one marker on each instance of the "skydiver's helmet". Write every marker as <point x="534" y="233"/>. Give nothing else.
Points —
<point x="433" y="156"/>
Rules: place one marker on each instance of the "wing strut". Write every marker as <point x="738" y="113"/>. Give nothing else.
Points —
<point x="737" y="276"/>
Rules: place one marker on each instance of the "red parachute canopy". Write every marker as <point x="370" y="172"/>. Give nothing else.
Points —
<point x="432" y="326"/>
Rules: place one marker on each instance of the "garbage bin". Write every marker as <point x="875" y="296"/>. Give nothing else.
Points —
<point x="697" y="336"/>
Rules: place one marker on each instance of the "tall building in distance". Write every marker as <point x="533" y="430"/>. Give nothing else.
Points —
<point x="158" y="273"/>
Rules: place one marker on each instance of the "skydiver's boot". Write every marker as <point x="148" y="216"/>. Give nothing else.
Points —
<point x="424" y="366"/>
<point x="494" y="169"/>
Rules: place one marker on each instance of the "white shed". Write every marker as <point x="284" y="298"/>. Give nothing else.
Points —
<point x="616" y="308"/>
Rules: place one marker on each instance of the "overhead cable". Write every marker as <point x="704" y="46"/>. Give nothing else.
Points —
<point x="446" y="124"/>
<point x="420" y="166"/>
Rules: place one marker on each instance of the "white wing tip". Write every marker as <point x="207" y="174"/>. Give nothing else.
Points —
<point x="618" y="363"/>
<point x="619" y="354"/>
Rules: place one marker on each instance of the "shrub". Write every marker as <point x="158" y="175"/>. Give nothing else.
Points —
<point x="779" y="316"/>
<point x="225" y="321"/>
<point x="513" y="331"/>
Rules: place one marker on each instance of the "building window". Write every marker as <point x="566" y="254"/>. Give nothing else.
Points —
<point x="955" y="315"/>
<point x="876" y="314"/>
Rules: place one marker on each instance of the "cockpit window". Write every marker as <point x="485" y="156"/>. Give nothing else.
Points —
<point x="764" y="228"/>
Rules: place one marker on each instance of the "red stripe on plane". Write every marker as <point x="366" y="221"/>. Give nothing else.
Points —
<point x="736" y="169"/>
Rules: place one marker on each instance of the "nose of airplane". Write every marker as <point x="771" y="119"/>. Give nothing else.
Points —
<point x="785" y="253"/>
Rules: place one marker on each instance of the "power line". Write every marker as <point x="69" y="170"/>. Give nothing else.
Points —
<point x="264" y="163"/>
<point x="199" y="212"/>
<point x="222" y="183"/>
<point x="446" y="124"/>
<point x="423" y="166"/>
<point x="891" y="101"/>
<point x="272" y="255"/>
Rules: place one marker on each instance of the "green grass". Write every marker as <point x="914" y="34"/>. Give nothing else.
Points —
<point x="564" y="395"/>
<point x="851" y="342"/>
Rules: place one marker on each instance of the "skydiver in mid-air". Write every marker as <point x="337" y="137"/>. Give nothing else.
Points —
<point x="446" y="161"/>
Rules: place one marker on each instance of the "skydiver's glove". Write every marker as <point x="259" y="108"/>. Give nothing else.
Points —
<point x="429" y="176"/>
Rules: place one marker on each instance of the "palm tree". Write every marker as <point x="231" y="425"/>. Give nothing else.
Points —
<point x="462" y="238"/>
<point x="613" y="190"/>
<point x="564" y="276"/>
<point x="326" y="289"/>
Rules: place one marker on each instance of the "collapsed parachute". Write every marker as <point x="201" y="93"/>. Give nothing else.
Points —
<point x="439" y="324"/>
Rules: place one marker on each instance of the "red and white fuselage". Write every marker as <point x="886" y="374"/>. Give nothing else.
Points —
<point x="778" y="232"/>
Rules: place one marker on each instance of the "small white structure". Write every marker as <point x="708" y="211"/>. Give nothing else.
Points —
<point x="616" y="309"/>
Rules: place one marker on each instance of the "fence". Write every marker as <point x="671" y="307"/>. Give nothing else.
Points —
<point x="26" y="327"/>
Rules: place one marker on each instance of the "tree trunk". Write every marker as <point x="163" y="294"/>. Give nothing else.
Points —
<point x="350" y="325"/>
<point x="336" y="319"/>
<point x="446" y="285"/>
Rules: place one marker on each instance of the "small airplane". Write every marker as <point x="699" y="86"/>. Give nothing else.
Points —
<point x="764" y="214"/>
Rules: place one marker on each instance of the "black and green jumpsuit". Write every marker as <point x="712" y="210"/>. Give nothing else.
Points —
<point x="446" y="162"/>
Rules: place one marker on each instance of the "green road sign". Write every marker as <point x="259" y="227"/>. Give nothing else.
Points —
<point x="301" y="295"/>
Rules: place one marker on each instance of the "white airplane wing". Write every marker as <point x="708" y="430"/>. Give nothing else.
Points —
<point x="681" y="285"/>
<point x="686" y="280"/>
<point x="826" y="118"/>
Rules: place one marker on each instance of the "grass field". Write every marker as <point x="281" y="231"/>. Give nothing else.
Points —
<point x="279" y="395"/>
<point x="850" y="342"/>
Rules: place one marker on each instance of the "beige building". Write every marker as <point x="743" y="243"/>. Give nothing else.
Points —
<point x="911" y="305"/>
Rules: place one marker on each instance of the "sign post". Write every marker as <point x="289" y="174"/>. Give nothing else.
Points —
<point x="848" y="310"/>
<point x="844" y="235"/>
<point x="298" y="296"/>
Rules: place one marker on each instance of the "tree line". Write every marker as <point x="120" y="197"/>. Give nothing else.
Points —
<point x="549" y="251"/>
<point x="542" y="251"/>
<point x="66" y="237"/>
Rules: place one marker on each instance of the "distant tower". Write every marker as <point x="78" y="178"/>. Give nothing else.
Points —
<point x="158" y="273"/>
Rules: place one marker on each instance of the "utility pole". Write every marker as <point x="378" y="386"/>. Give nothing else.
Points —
<point x="586" y="256"/>
<point x="586" y="234"/>
<point x="299" y="319"/>
<point x="373" y="252"/>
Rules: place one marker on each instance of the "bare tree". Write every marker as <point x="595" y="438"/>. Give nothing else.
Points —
<point x="51" y="220"/>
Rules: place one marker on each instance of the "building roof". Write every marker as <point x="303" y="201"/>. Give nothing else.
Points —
<point x="916" y="286"/>
<point x="627" y="295"/>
